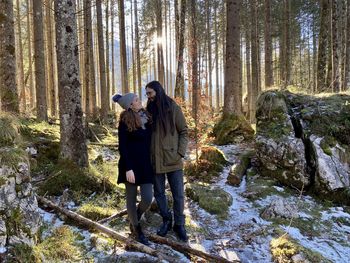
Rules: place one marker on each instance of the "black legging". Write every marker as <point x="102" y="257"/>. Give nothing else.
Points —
<point x="146" y="200"/>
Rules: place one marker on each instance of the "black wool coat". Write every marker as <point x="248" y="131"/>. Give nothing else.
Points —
<point x="134" y="150"/>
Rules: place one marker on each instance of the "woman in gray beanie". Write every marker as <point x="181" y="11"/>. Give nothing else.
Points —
<point x="135" y="168"/>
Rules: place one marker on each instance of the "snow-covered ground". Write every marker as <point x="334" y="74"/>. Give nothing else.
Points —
<point x="248" y="235"/>
<point x="244" y="235"/>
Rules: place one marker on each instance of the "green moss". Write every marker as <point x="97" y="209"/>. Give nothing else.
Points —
<point x="327" y="143"/>
<point x="66" y="174"/>
<point x="95" y="212"/>
<point x="35" y="131"/>
<point x="208" y="167"/>
<point x="212" y="199"/>
<point x="15" y="223"/>
<point x="230" y="127"/>
<point x="283" y="248"/>
<point x="212" y="154"/>
<point x="11" y="157"/>
<point x="261" y="187"/>
<point x="2" y="181"/>
<point x="22" y="253"/>
<point x="203" y="171"/>
<point x="8" y="130"/>
<point x="60" y="246"/>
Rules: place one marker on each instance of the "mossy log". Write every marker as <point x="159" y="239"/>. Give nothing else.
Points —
<point x="131" y="242"/>
<point x="239" y="169"/>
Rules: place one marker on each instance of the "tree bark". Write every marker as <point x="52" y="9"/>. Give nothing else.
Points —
<point x="8" y="85"/>
<point x="322" y="48"/>
<point x="160" y="57"/>
<point x="180" y="76"/>
<point x="30" y="60"/>
<point x="108" y="82"/>
<point x="216" y="58"/>
<point x="50" y="58"/>
<point x="210" y="81"/>
<point x="73" y="140"/>
<point x="112" y="47"/>
<point x="268" y="46"/>
<point x="232" y="89"/>
<point x="137" y="49"/>
<point x="335" y="48"/>
<point x="254" y="53"/>
<point x="20" y="77"/>
<point x="102" y="64"/>
<point x="39" y="60"/>
<point x="347" y="48"/>
<point x="123" y="63"/>
<point x="194" y="62"/>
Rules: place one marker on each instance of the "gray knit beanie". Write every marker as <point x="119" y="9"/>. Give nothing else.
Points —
<point x="125" y="100"/>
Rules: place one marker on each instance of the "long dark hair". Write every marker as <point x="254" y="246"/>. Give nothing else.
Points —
<point x="133" y="120"/>
<point x="161" y="108"/>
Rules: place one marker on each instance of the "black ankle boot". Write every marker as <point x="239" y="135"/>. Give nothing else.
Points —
<point x="181" y="232"/>
<point x="139" y="235"/>
<point x="166" y="226"/>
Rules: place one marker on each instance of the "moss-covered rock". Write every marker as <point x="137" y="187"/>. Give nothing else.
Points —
<point x="208" y="167"/>
<point x="212" y="199"/>
<point x="232" y="128"/>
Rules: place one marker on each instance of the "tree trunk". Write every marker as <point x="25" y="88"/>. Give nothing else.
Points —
<point x="248" y="99"/>
<point x="123" y="63"/>
<point x="8" y="85"/>
<point x="322" y="48"/>
<point x="20" y="77"/>
<point x="160" y="57"/>
<point x="194" y="62"/>
<point x="90" y="83"/>
<point x="180" y="76"/>
<point x="114" y="90"/>
<point x="73" y="141"/>
<point x="39" y="60"/>
<point x="102" y="64"/>
<point x="268" y="46"/>
<point x="286" y="45"/>
<point x="133" y="60"/>
<point x="108" y="85"/>
<point x="254" y="53"/>
<point x="232" y="98"/>
<point x="347" y="48"/>
<point x="216" y="58"/>
<point x="171" y="86"/>
<point x="335" y="48"/>
<point x="30" y="60"/>
<point x="209" y="50"/>
<point x="137" y="49"/>
<point x="50" y="58"/>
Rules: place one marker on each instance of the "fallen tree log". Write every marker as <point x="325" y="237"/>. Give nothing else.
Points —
<point x="119" y="214"/>
<point x="183" y="247"/>
<point x="110" y="232"/>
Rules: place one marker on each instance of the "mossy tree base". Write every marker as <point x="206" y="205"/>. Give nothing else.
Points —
<point x="232" y="128"/>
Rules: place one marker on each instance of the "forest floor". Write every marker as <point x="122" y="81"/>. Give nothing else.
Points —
<point x="318" y="231"/>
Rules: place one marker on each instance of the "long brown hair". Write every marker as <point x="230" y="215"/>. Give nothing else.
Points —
<point x="133" y="120"/>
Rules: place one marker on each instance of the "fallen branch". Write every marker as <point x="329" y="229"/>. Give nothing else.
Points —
<point x="130" y="242"/>
<point x="119" y="214"/>
<point x="182" y="247"/>
<point x="110" y="232"/>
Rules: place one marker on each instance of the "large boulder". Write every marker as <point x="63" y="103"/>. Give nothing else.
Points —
<point x="19" y="216"/>
<point x="281" y="155"/>
<point x="304" y="142"/>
